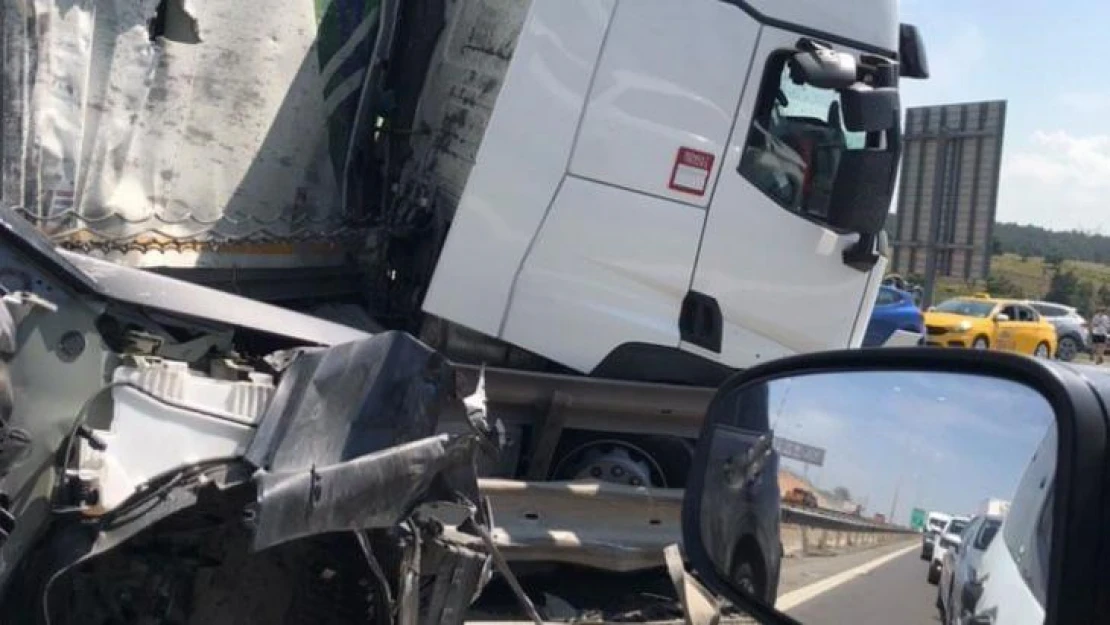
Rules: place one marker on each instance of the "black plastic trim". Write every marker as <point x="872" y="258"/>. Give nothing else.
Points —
<point x="1078" y="561"/>
<point x="645" y="362"/>
<point x="700" y="322"/>
<point x="773" y="22"/>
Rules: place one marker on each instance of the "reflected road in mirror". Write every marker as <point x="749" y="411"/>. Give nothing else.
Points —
<point x="897" y="497"/>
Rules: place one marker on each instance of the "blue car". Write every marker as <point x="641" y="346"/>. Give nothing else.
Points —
<point x="894" y="310"/>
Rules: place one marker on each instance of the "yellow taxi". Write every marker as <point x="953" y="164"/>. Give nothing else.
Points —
<point x="988" y="323"/>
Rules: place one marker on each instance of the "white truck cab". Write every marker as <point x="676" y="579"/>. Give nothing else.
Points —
<point x="626" y="214"/>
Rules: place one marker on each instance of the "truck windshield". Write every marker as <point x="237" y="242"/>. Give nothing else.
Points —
<point x="966" y="308"/>
<point x="957" y="527"/>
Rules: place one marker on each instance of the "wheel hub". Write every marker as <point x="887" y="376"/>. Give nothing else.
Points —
<point x="616" y="463"/>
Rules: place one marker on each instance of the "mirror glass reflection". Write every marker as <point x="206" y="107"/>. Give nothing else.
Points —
<point x="868" y="497"/>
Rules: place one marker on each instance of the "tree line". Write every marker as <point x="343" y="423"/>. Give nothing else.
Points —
<point x="1031" y="241"/>
<point x="1065" y="286"/>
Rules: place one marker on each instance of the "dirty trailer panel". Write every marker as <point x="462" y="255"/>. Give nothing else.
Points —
<point x="211" y="134"/>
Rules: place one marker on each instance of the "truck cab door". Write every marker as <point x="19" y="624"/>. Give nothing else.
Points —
<point x="767" y="260"/>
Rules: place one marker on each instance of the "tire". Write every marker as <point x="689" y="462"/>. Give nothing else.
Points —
<point x="1067" y="349"/>
<point x="670" y="457"/>
<point x="924" y="556"/>
<point x="933" y="577"/>
<point x="1042" y="350"/>
<point x="981" y="342"/>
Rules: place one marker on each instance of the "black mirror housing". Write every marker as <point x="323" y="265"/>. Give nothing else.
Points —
<point x="911" y="53"/>
<point x="1079" y="482"/>
<point x="861" y="195"/>
<point x="869" y="110"/>
<point x="824" y="68"/>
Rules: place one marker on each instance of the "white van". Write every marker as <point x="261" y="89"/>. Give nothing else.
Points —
<point x="934" y="525"/>
<point x="1010" y="586"/>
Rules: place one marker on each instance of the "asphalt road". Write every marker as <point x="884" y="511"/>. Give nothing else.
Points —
<point x="894" y="592"/>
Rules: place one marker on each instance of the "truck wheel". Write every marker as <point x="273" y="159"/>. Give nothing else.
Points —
<point x="635" y="460"/>
<point x="934" y="575"/>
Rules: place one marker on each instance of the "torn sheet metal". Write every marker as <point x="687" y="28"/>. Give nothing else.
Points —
<point x="349" y="442"/>
<point x="136" y="123"/>
<point x="460" y="573"/>
<point x="340" y="403"/>
<point x="377" y="490"/>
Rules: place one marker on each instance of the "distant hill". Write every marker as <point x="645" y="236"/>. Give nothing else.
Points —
<point x="1031" y="241"/>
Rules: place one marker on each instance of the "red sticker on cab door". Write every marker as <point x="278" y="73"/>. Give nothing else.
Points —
<point x="691" y="171"/>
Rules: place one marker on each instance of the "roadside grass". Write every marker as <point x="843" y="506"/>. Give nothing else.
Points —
<point x="1030" y="275"/>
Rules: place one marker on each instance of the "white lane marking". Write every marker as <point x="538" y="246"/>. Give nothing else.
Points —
<point x="797" y="597"/>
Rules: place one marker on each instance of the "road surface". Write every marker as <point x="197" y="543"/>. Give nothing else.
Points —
<point x="877" y="586"/>
<point x="895" y="591"/>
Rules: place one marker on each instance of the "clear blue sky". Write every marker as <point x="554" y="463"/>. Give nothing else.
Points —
<point x="945" y="441"/>
<point x="1048" y="60"/>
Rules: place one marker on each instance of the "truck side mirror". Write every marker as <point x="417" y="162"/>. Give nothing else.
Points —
<point x="862" y="190"/>
<point x="911" y="53"/>
<point x="861" y="194"/>
<point x="866" y="109"/>
<point x="1000" y="317"/>
<point x="822" y="67"/>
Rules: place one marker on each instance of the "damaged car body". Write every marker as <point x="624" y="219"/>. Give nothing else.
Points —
<point x="193" y="470"/>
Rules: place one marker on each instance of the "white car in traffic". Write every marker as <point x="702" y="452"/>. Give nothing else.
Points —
<point x="962" y="564"/>
<point x="949" y="538"/>
<point x="934" y="525"/>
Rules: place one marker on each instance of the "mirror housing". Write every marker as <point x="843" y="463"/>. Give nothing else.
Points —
<point x="865" y="109"/>
<point x="822" y="67"/>
<point x="861" y="195"/>
<point x="1076" y="399"/>
<point x="1001" y="317"/>
<point x="911" y="53"/>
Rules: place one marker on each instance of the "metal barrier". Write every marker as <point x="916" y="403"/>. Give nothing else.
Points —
<point x="622" y="528"/>
<point x="602" y="525"/>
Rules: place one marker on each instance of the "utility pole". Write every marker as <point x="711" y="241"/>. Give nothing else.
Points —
<point x="894" y="499"/>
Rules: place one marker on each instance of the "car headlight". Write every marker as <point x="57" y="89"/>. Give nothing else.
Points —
<point x="963" y="326"/>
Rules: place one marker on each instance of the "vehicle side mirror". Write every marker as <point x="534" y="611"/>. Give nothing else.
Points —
<point x="911" y="53"/>
<point x="861" y="193"/>
<point x="823" y="67"/>
<point x="1001" y="317"/>
<point x="876" y="421"/>
<point x="866" y="109"/>
<point x="862" y="190"/>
